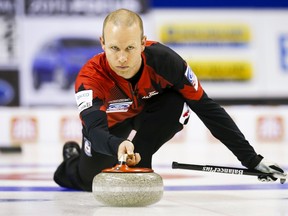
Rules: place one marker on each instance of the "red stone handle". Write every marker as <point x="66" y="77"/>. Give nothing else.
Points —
<point x="123" y="168"/>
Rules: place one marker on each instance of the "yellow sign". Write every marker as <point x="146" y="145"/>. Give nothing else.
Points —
<point x="222" y="70"/>
<point x="210" y="33"/>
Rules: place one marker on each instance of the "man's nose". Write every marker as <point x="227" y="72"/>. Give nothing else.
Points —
<point x="122" y="57"/>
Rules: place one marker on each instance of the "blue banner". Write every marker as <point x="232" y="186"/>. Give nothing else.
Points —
<point x="220" y="4"/>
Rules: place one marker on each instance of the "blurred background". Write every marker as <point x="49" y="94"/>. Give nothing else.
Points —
<point x="238" y="49"/>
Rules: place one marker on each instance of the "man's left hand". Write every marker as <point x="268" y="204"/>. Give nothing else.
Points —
<point x="270" y="167"/>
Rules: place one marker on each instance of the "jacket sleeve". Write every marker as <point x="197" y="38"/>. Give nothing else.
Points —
<point x="95" y="128"/>
<point x="221" y="125"/>
<point x="89" y="98"/>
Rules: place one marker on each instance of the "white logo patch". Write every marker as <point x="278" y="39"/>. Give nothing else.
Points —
<point x="87" y="147"/>
<point x="118" y="107"/>
<point x="191" y="77"/>
<point x="84" y="99"/>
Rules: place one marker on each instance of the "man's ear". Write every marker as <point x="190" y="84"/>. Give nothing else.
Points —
<point x="143" y="42"/>
<point x="102" y="43"/>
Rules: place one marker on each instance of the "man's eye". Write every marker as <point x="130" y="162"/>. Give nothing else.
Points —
<point x="114" y="48"/>
<point x="130" y="47"/>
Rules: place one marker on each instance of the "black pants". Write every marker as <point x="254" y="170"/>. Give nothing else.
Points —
<point x="154" y="126"/>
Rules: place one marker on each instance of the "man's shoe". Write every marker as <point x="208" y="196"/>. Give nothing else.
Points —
<point x="70" y="149"/>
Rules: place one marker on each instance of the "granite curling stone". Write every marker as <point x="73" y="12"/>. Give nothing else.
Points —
<point x="122" y="186"/>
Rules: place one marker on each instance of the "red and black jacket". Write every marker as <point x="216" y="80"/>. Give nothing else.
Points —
<point x="114" y="100"/>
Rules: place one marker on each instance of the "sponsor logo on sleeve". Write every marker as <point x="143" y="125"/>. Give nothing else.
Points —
<point x="191" y="77"/>
<point x="84" y="99"/>
<point x="87" y="147"/>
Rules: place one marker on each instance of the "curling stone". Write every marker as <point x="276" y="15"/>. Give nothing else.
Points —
<point x="123" y="186"/>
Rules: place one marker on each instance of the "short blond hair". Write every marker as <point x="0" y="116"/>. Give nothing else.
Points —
<point x="123" y="17"/>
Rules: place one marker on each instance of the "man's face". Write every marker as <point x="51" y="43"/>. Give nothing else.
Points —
<point x="123" y="46"/>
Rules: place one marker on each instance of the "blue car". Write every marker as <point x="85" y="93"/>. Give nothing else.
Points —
<point x="61" y="59"/>
<point x="7" y="92"/>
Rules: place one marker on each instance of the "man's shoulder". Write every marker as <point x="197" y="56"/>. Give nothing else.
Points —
<point x="158" y="53"/>
<point x="94" y="69"/>
<point x="151" y="43"/>
<point x="157" y="48"/>
<point x="97" y="60"/>
<point x="155" y="45"/>
<point x="95" y="64"/>
<point x="93" y="74"/>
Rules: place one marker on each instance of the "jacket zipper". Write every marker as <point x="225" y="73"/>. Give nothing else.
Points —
<point x="134" y="95"/>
